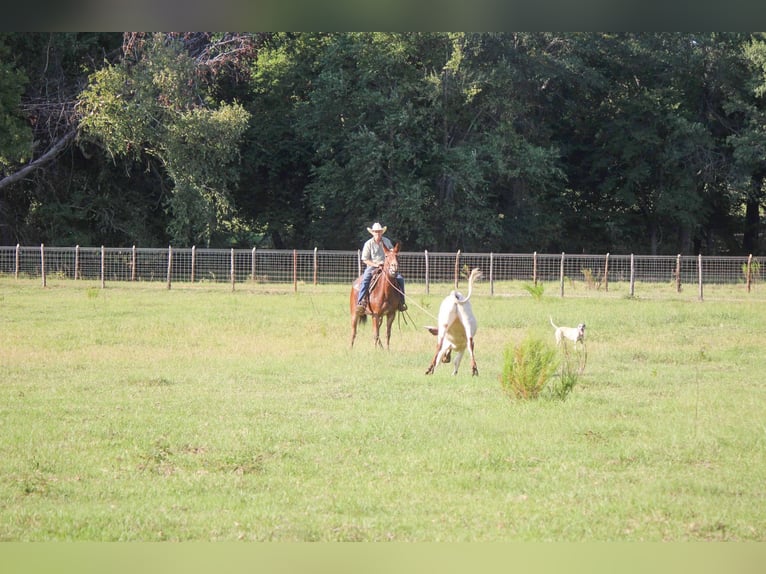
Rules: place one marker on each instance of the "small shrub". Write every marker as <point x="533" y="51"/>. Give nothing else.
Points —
<point x="755" y="271"/>
<point x="562" y="385"/>
<point x="590" y="280"/>
<point x="527" y="368"/>
<point x="535" y="290"/>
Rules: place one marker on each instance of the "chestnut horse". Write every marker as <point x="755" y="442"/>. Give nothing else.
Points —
<point x="384" y="297"/>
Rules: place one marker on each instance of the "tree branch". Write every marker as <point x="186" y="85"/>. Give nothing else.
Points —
<point x="49" y="155"/>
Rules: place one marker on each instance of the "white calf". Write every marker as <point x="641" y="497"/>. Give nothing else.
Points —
<point x="457" y="327"/>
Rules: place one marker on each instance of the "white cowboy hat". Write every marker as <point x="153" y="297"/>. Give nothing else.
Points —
<point x="377" y="227"/>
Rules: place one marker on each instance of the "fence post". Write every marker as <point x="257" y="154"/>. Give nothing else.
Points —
<point x="457" y="268"/>
<point x="18" y="260"/>
<point x="193" y="262"/>
<point x="491" y="275"/>
<point x="561" y="274"/>
<point x="316" y="266"/>
<point x="632" y="276"/>
<point x="699" y="270"/>
<point x="534" y="268"/>
<point x="428" y="278"/>
<point x="170" y="262"/>
<point x="103" y="264"/>
<point x="233" y="275"/>
<point x="295" y="270"/>
<point x="358" y="262"/>
<point x="606" y="273"/>
<point x="749" y="267"/>
<point x="76" y="262"/>
<point x="678" y="273"/>
<point x="252" y="265"/>
<point x="42" y="262"/>
<point x="133" y="264"/>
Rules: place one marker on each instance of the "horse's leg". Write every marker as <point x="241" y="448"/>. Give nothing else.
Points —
<point x="376" y="320"/>
<point x="389" y="324"/>
<point x="354" y="322"/>
<point x="354" y="316"/>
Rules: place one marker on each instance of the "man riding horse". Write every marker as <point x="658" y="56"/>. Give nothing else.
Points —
<point x="373" y="257"/>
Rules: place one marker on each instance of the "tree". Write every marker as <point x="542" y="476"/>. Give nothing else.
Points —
<point x="749" y="140"/>
<point x="15" y="135"/>
<point x="418" y="130"/>
<point x="156" y="105"/>
<point x="51" y="68"/>
<point x="635" y="150"/>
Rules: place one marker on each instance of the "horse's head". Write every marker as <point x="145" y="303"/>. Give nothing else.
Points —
<point x="391" y="264"/>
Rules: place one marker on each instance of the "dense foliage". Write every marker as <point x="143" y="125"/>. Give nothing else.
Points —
<point x="505" y="142"/>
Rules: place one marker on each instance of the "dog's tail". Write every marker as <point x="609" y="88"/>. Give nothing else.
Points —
<point x="552" y="323"/>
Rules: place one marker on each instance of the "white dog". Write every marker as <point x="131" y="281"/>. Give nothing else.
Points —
<point x="457" y="327"/>
<point x="574" y="334"/>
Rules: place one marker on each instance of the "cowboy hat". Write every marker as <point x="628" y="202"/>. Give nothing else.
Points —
<point x="377" y="227"/>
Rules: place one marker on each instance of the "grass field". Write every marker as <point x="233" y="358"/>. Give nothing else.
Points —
<point x="135" y="413"/>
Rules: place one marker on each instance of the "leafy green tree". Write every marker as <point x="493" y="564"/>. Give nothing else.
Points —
<point x="15" y="135"/>
<point x="418" y="130"/>
<point x="38" y="181"/>
<point x="749" y="139"/>
<point x="156" y="103"/>
<point x="635" y="150"/>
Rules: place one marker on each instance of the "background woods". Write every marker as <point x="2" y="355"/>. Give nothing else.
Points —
<point x="648" y="142"/>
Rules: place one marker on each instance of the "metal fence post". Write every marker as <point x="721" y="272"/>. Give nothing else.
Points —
<point x="632" y="276"/>
<point x="561" y="279"/>
<point x="103" y="264"/>
<point x="699" y="269"/>
<point x="457" y="268"/>
<point x="170" y="262"/>
<point x="316" y="266"/>
<point x="193" y="262"/>
<point x="491" y="276"/>
<point x="42" y="263"/>
<point x="233" y="275"/>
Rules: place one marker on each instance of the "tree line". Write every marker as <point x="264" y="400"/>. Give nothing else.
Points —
<point x="506" y="142"/>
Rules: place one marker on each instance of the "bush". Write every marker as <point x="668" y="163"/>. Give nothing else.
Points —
<point x="535" y="290"/>
<point x="562" y="385"/>
<point x="529" y="371"/>
<point x="527" y="368"/>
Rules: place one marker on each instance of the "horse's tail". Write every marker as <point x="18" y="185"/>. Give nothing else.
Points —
<point x="475" y="274"/>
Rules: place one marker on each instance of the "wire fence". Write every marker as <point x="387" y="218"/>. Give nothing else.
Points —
<point x="507" y="273"/>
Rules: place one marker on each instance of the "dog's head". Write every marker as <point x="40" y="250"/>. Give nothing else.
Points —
<point x="581" y="329"/>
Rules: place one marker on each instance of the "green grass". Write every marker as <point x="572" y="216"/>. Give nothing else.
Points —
<point x="138" y="413"/>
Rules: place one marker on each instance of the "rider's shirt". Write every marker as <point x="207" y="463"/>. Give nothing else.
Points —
<point x="374" y="251"/>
